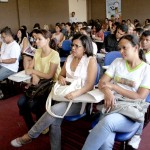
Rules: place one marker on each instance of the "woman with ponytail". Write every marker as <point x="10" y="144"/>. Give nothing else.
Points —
<point x="131" y="79"/>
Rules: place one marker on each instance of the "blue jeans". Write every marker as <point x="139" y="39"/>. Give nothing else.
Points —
<point x="103" y="134"/>
<point x="55" y="123"/>
<point x="26" y="108"/>
<point x="4" y="73"/>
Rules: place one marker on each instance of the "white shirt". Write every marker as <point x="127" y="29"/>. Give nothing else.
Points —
<point x="94" y="48"/>
<point x="81" y="69"/>
<point x="127" y="78"/>
<point x="8" y="51"/>
<point x="147" y="56"/>
<point x="73" y="19"/>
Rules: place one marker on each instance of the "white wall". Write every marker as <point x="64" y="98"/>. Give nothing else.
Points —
<point x="80" y="9"/>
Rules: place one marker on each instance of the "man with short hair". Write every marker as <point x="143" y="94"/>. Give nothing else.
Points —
<point x="111" y="41"/>
<point x="9" y="54"/>
<point x="73" y="18"/>
<point x="145" y="44"/>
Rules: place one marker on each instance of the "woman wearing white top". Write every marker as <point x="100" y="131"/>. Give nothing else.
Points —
<point x="58" y="35"/>
<point x="131" y="79"/>
<point x="80" y="59"/>
<point x="24" y="43"/>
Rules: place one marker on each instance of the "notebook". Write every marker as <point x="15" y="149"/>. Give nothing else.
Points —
<point x="19" y="77"/>
<point x="30" y="51"/>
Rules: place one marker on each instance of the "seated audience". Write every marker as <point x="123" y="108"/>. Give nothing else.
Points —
<point x="114" y="27"/>
<point x="79" y="26"/>
<point x="80" y="59"/>
<point x="58" y="35"/>
<point x="25" y="28"/>
<point x="130" y="84"/>
<point x="130" y="24"/>
<point x="24" y="43"/>
<point x="69" y="32"/>
<point x="46" y="27"/>
<point x="105" y="25"/>
<point x="147" y="21"/>
<point x="145" y="44"/>
<point x="111" y="41"/>
<point x="33" y="38"/>
<point x="97" y="33"/>
<point x="36" y="26"/>
<point x="87" y="31"/>
<point x="146" y="27"/>
<point x="45" y="65"/>
<point x="130" y="30"/>
<point x="63" y="28"/>
<point x="138" y="31"/>
<point x="9" y="55"/>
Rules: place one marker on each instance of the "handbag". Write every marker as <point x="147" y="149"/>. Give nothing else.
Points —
<point x="133" y="109"/>
<point x="59" y="91"/>
<point x="35" y="92"/>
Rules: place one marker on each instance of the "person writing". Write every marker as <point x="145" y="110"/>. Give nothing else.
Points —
<point x="81" y="58"/>
<point x="9" y="55"/>
<point x="131" y="79"/>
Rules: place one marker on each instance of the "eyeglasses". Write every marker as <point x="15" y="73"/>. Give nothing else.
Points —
<point x="76" y="46"/>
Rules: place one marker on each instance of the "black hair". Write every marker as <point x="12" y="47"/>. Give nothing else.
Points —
<point x="139" y="31"/>
<point x="146" y="33"/>
<point x="53" y="44"/>
<point x="69" y="24"/>
<point x="63" y="23"/>
<point x="123" y="22"/>
<point x="24" y="27"/>
<point x="34" y="31"/>
<point x="36" y="26"/>
<point x="86" y="43"/>
<point x="23" y="34"/>
<point x="134" y="40"/>
<point x="58" y="25"/>
<point x="123" y="28"/>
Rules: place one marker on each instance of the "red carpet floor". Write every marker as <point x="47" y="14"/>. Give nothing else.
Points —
<point x="73" y="133"/>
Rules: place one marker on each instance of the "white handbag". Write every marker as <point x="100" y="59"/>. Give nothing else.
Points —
<point x="58" y="92"/>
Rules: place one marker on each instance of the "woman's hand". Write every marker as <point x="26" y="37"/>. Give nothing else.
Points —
<point x="72" y="95"/>
<point x="109" y="101"/>
<point x="28" y="71"/>
<point x="35" y="79"/>
<point x="62" y="80"/>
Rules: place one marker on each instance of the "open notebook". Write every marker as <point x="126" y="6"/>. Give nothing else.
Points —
<point x="30" y="51"/>
<point x="19" y="77"/>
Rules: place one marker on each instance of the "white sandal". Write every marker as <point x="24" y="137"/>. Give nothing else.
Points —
<point x="18" y="142"/>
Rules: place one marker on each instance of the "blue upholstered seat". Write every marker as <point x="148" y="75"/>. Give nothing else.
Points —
<point x="111" y="56"/>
